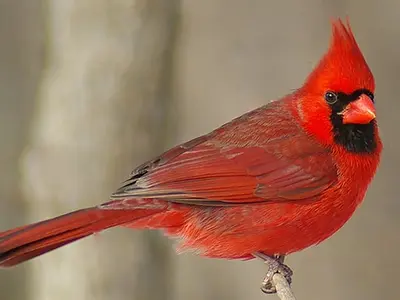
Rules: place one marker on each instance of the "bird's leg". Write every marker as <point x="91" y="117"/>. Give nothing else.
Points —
<point x="275" y="265"/>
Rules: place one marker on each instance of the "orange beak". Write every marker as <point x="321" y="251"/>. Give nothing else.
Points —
<point x="361" y="111"/>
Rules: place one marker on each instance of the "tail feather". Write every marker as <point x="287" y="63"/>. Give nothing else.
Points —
<point x="26" y="242"/>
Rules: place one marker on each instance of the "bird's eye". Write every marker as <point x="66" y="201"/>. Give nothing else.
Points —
<point x="331" y="97"/>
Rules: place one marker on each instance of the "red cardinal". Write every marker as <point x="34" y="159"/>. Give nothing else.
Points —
<point x="271" y="182"/>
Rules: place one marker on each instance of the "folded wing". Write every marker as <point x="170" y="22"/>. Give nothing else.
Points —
<point x="213" y="172"/>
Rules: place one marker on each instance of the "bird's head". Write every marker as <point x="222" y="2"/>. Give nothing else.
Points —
<point x="337" y="99"/>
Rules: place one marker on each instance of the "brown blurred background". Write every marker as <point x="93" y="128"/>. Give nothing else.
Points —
<point x="91" y="88"/>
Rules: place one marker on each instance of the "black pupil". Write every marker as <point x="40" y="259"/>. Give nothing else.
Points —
<point x="330" y="97"/>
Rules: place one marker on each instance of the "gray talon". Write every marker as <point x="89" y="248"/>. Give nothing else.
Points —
<point x="275" y="265"/>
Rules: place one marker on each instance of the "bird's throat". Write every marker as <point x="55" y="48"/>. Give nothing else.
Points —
<point x="355" y="138"/>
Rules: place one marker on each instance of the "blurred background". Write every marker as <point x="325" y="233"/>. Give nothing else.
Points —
<point x="91" y="88"/>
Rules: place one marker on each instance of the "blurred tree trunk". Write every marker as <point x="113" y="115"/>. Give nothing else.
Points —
<point x="21" y="62"/>
<point x="102" y="110"/>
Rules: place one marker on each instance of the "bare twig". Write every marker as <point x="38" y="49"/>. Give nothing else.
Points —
<point x="283" y="289"/>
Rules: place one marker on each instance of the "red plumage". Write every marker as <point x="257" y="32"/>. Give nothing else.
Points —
<point x="276" y="180"/>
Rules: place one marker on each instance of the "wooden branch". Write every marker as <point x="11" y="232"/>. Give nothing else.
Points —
<point x="283" y="289"/>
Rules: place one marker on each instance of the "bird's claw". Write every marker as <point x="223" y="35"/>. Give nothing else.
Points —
<point x="275" y="265"/>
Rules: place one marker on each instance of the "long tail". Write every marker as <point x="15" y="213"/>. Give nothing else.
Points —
<point x="26" y="242"/>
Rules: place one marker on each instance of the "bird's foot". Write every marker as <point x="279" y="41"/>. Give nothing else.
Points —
<point x="275" y="265"/>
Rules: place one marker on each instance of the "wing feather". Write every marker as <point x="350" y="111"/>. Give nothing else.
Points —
<point x="225" y="168"/>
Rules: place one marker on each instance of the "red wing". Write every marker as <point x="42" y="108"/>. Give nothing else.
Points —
<point x="206" y="172"/>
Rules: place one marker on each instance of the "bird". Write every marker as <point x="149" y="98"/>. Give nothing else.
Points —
<point x="273" y="181"/>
